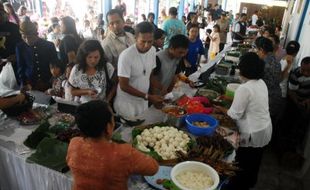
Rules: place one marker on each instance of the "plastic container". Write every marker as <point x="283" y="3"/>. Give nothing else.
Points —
<point x="194" y="166"/>
<point x="201" y="131"/>
<point x="231" y="88"/>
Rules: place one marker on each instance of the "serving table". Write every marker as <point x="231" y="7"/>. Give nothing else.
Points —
<point x="17" y="174"/>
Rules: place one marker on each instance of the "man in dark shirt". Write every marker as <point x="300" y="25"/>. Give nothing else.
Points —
<point x="9" y="37"/>
<point x="33" y="58"/>
<point x="150" y="18"/>
<point x="239" y="30"/>
<point x="299" y="84"/>
<point x="121" y="6"/>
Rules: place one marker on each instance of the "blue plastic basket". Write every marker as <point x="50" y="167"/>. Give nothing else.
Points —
<point x="201" y="131"/>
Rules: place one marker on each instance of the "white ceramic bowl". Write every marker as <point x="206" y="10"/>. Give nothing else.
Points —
<point x="196" y="166"/>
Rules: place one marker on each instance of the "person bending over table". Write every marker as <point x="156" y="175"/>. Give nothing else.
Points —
<point x="96" y="162"/>
<point x="92" y="77"/>
<point x="169" y="63"/>
<point x="11" y="101"/>
<point x="251" y="111"/>
<point x="135" y="73"/>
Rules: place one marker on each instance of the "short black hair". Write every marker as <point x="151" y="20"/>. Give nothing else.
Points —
<point x="115" y="11"/>
<point x="179" y="41"/>
<point x="158" y="33"/>
<point x="151" y="15"/>
<point x="54" y="20"/>
<point x="173" y="11"/>
<point x="189" y="15"/>
<point x="243" y="14"/>
<point x="305" y="61"/>
<point x="251" y="66"/>
<point x="144" y="27"/>
<point x="58" y="64"/>
<point x="264" y="43"/>
<point x="55" y="25"/>
<point x="279" y="27"/>
<point x="93" y="117"/>
<point x="275" y="38"/>
<point x="292" y="47"/>
<point x="218" y="27"/>
<point x="193" y="26"/>
<point x="270" y="30"/>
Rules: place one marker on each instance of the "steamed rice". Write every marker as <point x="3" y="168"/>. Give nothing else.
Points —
<point x="197" y="180"/>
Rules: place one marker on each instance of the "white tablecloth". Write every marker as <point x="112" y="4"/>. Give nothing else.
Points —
<point x="17" y="174"/>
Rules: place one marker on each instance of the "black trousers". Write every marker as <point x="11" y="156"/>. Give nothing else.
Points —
<point x="249" y="160"/>
<point x="222" y="45"/>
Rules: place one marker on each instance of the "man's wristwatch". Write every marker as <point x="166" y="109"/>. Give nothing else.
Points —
<point x="146" y="97"/>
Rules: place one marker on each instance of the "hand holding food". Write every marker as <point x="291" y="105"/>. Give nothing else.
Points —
<point x="156" y="99"/>
<point x="92" y="93"/>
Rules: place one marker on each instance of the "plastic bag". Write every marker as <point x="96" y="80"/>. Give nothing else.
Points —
<point x="8" y="83"/>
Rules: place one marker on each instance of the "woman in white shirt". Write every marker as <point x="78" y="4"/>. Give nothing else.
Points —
<point x="251" y="111"/>
<point x="91" y="78"/>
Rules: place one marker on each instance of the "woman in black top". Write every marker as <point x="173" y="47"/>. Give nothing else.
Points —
<point x="71" y="41"/>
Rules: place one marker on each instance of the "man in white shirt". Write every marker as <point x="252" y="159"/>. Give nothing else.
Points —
<point x="135" y="73"/>
<point x="254" y="18"/>
<point x="117" y="39"/>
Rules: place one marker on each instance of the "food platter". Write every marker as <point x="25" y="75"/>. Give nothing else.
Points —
<point x="162" y="142"/>
<point x="163" y="173"/>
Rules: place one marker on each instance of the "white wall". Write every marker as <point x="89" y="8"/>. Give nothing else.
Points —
<point x="290" y="24"/>
<point x="304" y="38"/>
<point x="294" y="19"/>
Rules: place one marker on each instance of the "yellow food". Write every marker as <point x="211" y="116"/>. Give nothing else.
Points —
<point x="202" y="124"/>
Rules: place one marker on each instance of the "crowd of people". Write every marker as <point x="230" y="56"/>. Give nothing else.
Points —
<point x="132" y="66"/>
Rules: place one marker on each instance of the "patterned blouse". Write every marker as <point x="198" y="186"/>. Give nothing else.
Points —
<point x="272" y="78"/>
<point x="98" y="82"/>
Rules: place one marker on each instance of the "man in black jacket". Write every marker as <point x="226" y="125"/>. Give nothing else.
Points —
<point x="33" y="57"/>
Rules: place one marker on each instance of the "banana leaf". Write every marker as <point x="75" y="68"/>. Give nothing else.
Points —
<point x="51" y="153"/>
<point x="117" y="137"/>
<point x="36" y="136"/>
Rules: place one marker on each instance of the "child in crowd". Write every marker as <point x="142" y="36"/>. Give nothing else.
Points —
<point x="65" y="83"/>
<point x="207" y="42"/>
<point x="57" y="71"/>
<point x="214" y="42"/>
<point x="195" y="49"/>
<point x="287" y="63"/>
<point x="159" y="39"/>
<point x="55" y="35"/>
